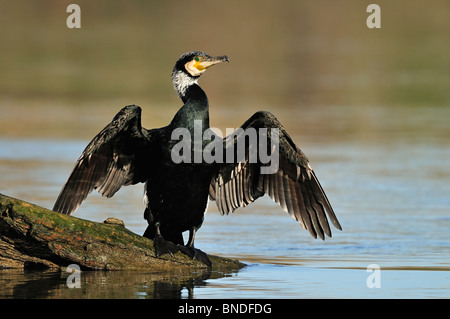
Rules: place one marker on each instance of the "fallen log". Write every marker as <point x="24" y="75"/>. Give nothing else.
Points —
<point x="35" y="237"/>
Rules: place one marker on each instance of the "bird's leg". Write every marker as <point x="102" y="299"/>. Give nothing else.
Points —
<point x="163" y="246"/>
<point x="192" y="252"/>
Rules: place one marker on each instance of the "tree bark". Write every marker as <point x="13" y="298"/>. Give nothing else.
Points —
<point x="35" y="237"/>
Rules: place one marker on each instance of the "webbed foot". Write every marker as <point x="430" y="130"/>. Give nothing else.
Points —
<point x="195" y="253"/>
<point x="163" y="246"/>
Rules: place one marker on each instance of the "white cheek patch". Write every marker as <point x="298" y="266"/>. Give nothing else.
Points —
<point x="182" y="81"/>
<point x="190" y="67"/>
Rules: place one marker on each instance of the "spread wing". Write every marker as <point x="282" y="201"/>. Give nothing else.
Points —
<point x="292" y="183"/>
<point x="117" y="156"/>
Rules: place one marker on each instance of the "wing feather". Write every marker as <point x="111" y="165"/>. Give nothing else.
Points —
<point x="294" y="186"/>
<point x="117" y="156"/>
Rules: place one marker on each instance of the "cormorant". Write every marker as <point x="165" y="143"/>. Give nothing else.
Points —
<point x="176" y="194"/>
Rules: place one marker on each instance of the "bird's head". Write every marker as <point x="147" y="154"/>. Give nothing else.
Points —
<point x="195" y="63"/>
<point x="190" y="66"/>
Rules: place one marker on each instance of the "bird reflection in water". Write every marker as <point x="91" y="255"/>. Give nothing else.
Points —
<point x="180" y="284"/>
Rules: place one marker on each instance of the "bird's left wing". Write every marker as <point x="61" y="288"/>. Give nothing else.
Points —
<point x="115" y="157"/>
<point x="293" y="184"/>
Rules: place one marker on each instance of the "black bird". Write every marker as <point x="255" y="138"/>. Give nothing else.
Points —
<point x="176" y="194"/>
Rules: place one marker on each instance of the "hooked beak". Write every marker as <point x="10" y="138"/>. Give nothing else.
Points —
<point x="199" y="65"/>
<point x="207" y="62"/>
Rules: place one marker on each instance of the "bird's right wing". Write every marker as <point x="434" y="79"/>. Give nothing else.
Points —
<point x="293" y="185"/>
<point x="118" y="155"/>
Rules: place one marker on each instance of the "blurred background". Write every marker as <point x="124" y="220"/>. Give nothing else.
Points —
<point x="369" y="107"/>
<point x="285" y="55"/>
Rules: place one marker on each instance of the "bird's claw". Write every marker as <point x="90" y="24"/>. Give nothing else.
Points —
<point x="163" y="246"/>
<point x="195" y="253"/>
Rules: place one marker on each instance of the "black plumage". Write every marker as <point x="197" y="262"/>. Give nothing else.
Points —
<point x="176" y="194"/>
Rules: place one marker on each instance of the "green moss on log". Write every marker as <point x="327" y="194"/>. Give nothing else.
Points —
<point x="32" y="235"/>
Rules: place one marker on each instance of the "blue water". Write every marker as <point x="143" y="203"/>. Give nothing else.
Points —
<point x="390" y="191"/>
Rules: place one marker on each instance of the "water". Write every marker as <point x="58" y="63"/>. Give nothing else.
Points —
<point x="388" y="183"/>
<point x="369" y="107"/>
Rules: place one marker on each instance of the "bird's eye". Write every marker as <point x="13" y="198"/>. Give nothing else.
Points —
<point x="197" y="59"/>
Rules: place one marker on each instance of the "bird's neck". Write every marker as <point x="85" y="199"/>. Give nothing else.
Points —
<point x="195" y="108"/>
<point x="182" y="82"/>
